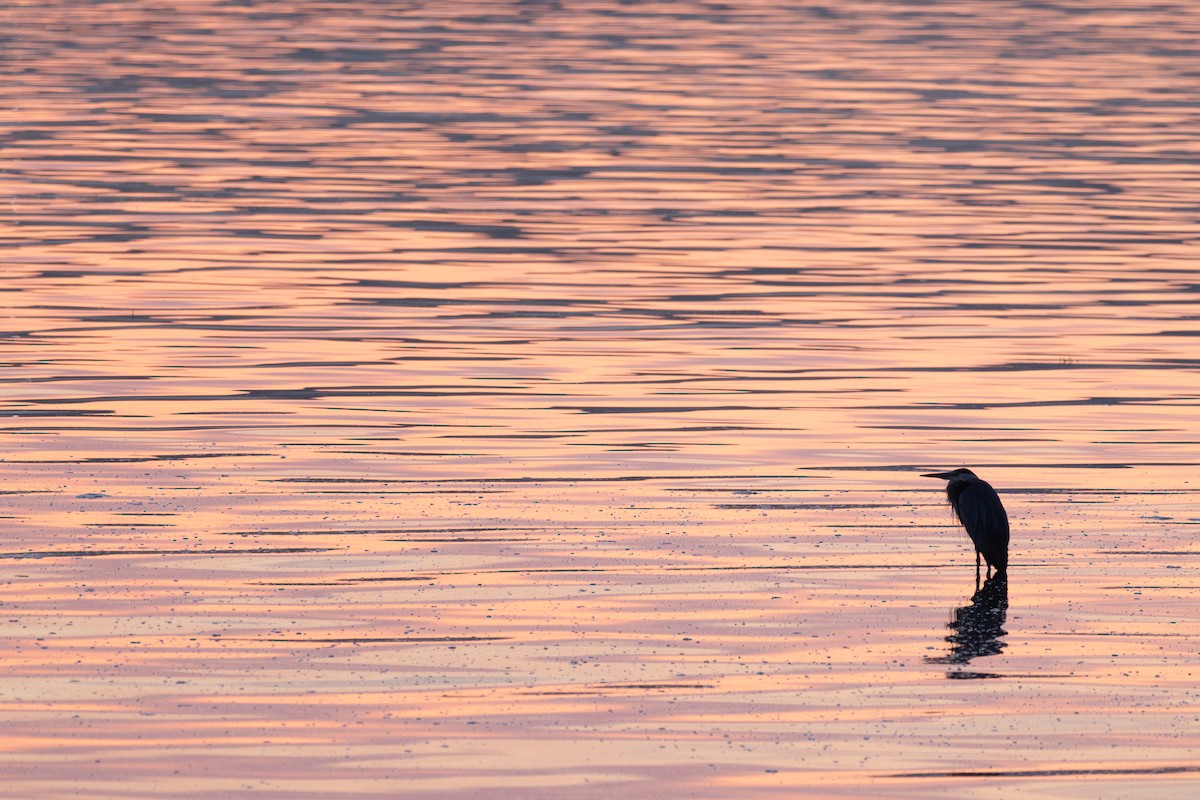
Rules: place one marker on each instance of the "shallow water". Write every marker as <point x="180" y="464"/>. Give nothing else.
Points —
<point x="447" y="398"/>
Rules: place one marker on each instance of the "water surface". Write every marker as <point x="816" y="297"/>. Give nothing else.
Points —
<point x="450" y="398"/>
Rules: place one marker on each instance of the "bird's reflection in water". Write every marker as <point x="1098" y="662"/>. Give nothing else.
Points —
<point x="977" y="628"/>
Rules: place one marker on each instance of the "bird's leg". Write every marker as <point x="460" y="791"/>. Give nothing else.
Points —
<point x="977" y="569"/>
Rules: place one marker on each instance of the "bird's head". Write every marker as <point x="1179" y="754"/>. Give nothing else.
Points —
<point x="960" y="474"/>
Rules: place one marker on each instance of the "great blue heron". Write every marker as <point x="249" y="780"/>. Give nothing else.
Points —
<point x="980" y="511"/>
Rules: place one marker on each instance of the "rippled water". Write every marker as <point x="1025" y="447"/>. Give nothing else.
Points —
<point x="408" y="399"/>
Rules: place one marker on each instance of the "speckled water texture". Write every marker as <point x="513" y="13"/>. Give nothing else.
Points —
<point x="529" y="399"/>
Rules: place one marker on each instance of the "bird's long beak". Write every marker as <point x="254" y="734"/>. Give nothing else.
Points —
<point x="943" y="475"/>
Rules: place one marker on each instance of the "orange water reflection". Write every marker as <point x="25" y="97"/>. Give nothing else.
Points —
<point x="464" y="397"/>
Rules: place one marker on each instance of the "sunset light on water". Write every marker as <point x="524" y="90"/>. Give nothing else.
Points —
<point x="531" y="399"/>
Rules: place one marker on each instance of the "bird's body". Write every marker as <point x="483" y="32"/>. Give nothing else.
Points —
<point x="980" y="511"/>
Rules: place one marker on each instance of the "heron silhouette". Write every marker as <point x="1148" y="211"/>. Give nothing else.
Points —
<point x="980" y="511"/>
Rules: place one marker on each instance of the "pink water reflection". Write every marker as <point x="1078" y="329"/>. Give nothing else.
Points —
<point x="530" y="398"/>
